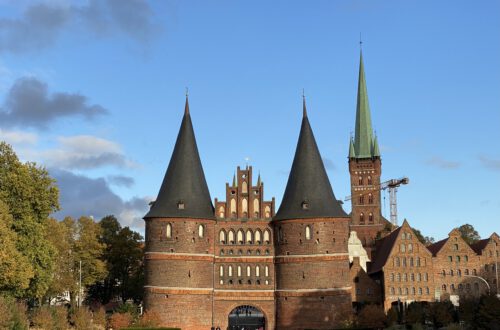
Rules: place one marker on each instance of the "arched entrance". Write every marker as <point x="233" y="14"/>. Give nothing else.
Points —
<point x="246" y="318"/>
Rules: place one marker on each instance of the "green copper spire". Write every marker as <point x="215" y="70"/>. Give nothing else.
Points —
<point x="376" y="150"/>
<point x="363" y="138"/>
<point x="235" y="184"/>
<point x="352" y="154"/>
<point x="258" y="181"/>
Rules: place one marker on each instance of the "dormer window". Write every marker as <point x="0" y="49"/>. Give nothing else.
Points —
<point x="305" y="205"/>
<point x="180" y="205"/>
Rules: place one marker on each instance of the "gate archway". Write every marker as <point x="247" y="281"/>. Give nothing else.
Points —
<point x="246" y="317"/>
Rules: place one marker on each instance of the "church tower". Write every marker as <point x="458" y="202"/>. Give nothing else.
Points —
<point x="311" y="255"/>
<point x="365" y="168"/>
<point x="179" y="240"/>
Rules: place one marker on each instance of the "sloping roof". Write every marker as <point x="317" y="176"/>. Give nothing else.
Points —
<point x="436" y="247"/>
<point x="384" y="250"/>
<point x="363" y="136"/>
<point x="308" y="182"/>
<point x="479" y="246"/>
<point x="184" y="181"/>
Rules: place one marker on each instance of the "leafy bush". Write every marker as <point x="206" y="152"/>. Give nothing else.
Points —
<point x="120" y="320"/>
<point x="42" y="318"/>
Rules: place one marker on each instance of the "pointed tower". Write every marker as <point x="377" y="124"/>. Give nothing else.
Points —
<point x="179" y="249"/>
<point x="365" y="169"/>
<point x="311" y="231"/>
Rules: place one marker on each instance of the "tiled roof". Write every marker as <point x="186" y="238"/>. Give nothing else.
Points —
<point x="436" y="247"/>
<point x="384" y="251"/>
<point x="479" y="246"/>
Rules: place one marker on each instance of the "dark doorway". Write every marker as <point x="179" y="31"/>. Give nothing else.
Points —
<point x="246" y="318"/>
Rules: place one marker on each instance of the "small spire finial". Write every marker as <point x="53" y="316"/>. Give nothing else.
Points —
<point x="360" y="42"/>
<point x="186" y="108"/>
<point x="304" y="110"/>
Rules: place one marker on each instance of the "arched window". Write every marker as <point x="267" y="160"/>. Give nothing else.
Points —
<point x="392" y="277"/>
<point x="221" y="271"/>
<point x="361" y="199"/>
<point x="451" y="272"/>
<point x="244" y="187"/>
<point x="405" y="277"/>
<point x="239" y="237"/>
<point x="370" y="218"/>
<point x="398" y="277"/>
<point x="411" y="261"/>
<point x="466" y="272"/>
<point x="403" y="261"/>
<point x="402" y="248"/>
<point x="397" y="261"/>
<point x="256" y="209"/>
<point x="201" y="231"/>
<point x="420" y="291"/>
<point x="370" y="199"/>
<point x="410" y="247"/>
<point x="413" y="291"/>
<point x="233" y="206"/>
<point x="258" y="238"/>
<point x="280" y="234"/>
<point x="230" y="237"/>
<point x="169" y="230"/>
<point x="230" y="271"/>
<point x="427" y="291"/>
<point x="249" y="271"/>
<point x="267" y="211"/>
<point x="370" y="180"/>
<point x="418" y="277"/>
<point x="244" y="207"/>
<point x="418" y="261"/>
<point x="443" y="287"/>
<point x="392" y="290"/>
<point x="459" y="272"/>
<point x="458" y="258"/>
<point x="406" y="291"/>
<point x="361" y="218"/>
<point x="257" y="271"/>
<point x="308" y="232"/>
<point x="474" y="272"/>
<point x="221" y="212"/>
<point x="267" y="236"/>
<point x="400" y="292"/>
<point x="249" y="237"/>
<point x="360" y="181"/>
<point x="266" y="272"/>
<point x="222" y="236"/>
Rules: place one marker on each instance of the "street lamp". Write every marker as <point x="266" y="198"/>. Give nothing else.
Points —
<point x="482" y="279"/>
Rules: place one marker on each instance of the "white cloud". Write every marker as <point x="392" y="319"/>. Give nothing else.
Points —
<point x="18" y="137"/>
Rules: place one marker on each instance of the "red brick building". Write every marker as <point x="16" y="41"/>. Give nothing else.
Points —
<point x="240" y="262"/>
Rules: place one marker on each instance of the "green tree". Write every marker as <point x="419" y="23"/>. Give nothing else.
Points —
<point x="86" y="250"/>
<point x="488" y="313"/>
<point x="426" y="240"/>
<point x="124" y="258"/>
<point x="469" y="234"/>
<point x="31" y="195"/>
<point x="442" y="313"/>
<point x="15" y="269"/>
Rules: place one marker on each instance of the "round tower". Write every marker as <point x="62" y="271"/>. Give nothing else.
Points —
<point x="179" y="240"/>
<point x="311" y="255"/>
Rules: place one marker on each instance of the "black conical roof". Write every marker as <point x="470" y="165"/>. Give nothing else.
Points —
<point x="184" y="183"/>
<point x="308" y="193"/>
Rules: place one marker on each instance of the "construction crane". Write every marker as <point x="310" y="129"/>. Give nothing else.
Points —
<point x="392" y="185"/>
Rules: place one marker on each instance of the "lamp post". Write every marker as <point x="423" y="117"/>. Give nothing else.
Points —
<point x="482" y="279"/>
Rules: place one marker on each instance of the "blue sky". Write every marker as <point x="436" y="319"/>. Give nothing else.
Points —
<point x="94" y="91"/>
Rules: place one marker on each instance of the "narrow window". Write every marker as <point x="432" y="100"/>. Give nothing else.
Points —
<point x="360" y="181"/>
<point x="362" y="218"/>
<point x="233" y="206"/>
<point x="230" y="271"/>
<point x="361" y="200"/>
<point x="410" y="247"/>
<point x="267" y="211"/>
<point x="239" y="271"/>
<point x="244" y="207"/>
<point x="257" y="271"/>
<point x="222" y="236"/>
<point x="249" y="237"/>
<point x="169" y="230"/>
<point x="221" y="271"/>
<point x="221" y="212"/>
<point x="258" y="237"/>
<point x="239" y="237"/>
<point x="308" y="232"/>
<point x="370" y="180"/>
<point x="249" y="271"/>
<point x="267" y="236"/>
<point x="402" y="248"/>
<point x="201" y="231"/>
<point x="370" y="199"/>
<point x="267" y="271"/>
<point x="370" y="218"/>
<point x="244" y="187"/>
<point x="230" y="237"/>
